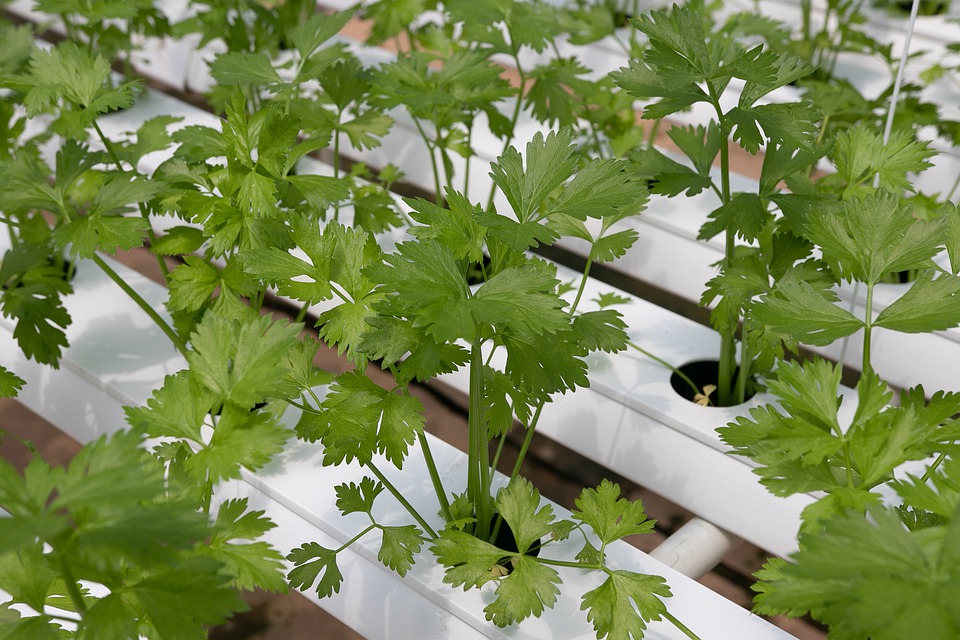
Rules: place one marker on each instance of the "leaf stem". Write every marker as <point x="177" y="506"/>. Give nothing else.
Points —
<point x="149" y="310"/>
<point x="478" y="456"/>
<point x="686" y="379"/>
<point x="867" y="366"/>
<point x="151" y="236"/>
<point x="679" y="625"/>
<point x="349" y="542"/>
<point x="435" y="476"/>
<point x="528" y="438"/>
<point x="728" y="346"/>
<point x="399" y="496"/>
<point x="75" y="596"/>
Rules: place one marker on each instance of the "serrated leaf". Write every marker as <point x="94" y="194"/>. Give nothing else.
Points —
<point x="806" y="314"/>
<point x="10" y="383"/>
<point x="242" y="362"/>
<point x="615" y="245"/>
<point x="550" y="162"/>
<point x="529" y="589"/>
<point x="518" y="503"/>
<point x="602" y="330"/>
<point x="460" y="227"/>
<point x="931" y="304"/>
<point x="311" y="559"/>
<point x="244" y="68"/>
<point x="610" y="516"/>
<point x="358" y="498"/>
<point x="622" y="606"/>
<point x="398" y="547"/>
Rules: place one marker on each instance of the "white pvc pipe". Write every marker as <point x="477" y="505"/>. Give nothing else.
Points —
<point x="696" y="548"/>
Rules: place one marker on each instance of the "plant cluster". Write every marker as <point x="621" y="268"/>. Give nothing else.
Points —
<point x="243" y="223"/>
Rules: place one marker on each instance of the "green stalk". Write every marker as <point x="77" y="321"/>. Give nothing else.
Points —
<point x="744" y="366"/>
<point x="336" y="163"/>
<point x="728" y="347"/>
<point x="149" y="310"/>
<point x="151" y="236"/>
<point x="399" y="496"/>
<point x="679" y="625"/>
<point x="867" y="366"/>
<point x="431" y="149"/>
<point x="75" y="596"/>
<point x="435" y="477"/>
<point x="514" y="118"/>
<point x="478" y="457"/>
<point x="355" y="538"/>
<point x="686" y="379"/>
<point x="528" y="438"/>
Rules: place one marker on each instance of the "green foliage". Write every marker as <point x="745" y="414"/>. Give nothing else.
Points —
<point x="107" y="519"/>
<point x="870" y="578"/>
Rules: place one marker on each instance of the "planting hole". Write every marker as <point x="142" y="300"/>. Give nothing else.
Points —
<point x="703" y="374"/>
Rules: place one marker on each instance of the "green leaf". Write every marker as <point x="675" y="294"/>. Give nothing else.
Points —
<point x="467" y="560"/>
<point x="622" y="606"/>
<point x="860" y="154"/>
<point x="178" y="409"/>
<point x="529" y="589"/>
<point x="640" y="81"/>
<point x="398" y="547"/>
<point x="602" y="330"/>
<point x="518" y="503"/>
<point x="669" y="177"/>
<point x="318" y="29"/>
<point x="311" y="559"/>
<point x="10" y="383"/>
<point x="611" y="516"/>
<point x="244" y="68"/>
<point x="613" y="246"/>
<point x="32" y="297"/>
<point x="873" y="236"/>
<point x="745" y="213"/>
<point x="460" y="227"/>
<point x="700" y="144"/>
<point x="358" y="498"/>
<point x="552" y="90"/>
<point x="806" y="314"/>
<point x="179" y="240"/>
<point x="870" y="578"/>
<point x="110" y="618"/>
<point x="545" y="363"/>
<point x="519" y="236"/>
<point x="360" y="419"/>
<point x="931" y="304"/>
<point x="521" y="298"/>
<point x="242" y="362"/>
<point x="181" y="601"/>
<point x="427" y="279"/>
<point x="366" y="129"/>
<point x="550" y="162"/>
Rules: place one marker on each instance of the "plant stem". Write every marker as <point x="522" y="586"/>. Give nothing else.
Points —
<point x="478" y="456"/>
<point x="679" y="625"/>
<point x="744" y="374"/>
<point x="355" y="538"/>
<point x="528" y="438"/>
<point x="867" y="366"/>
<point x="399" y="496"/>
<point x="149" y="310"/>
<point x="728" y="348"/>
<point x="151" y="236"/>
<point x="435" y="477"/>
<point x="514" y="118"/>
<point x="75" y="596"/>
<point x="438" y="195"/>
<point x="686" y="379"/>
